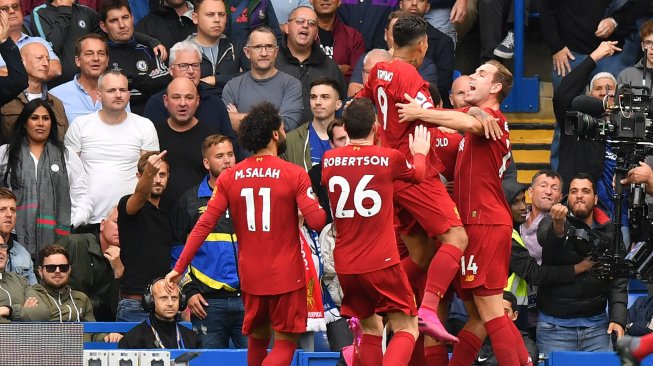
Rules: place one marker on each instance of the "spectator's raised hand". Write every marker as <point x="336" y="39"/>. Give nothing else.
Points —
<point x="112" y="254"/>
<point x="561" y="61"/>
<point x="154" y="163"/>
<point x="4" y="26"/>
<point x="605" y="49"/>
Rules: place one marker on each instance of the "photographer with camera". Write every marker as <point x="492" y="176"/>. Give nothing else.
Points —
<point x="579" y="154"/>
<point x="572" y="315"/>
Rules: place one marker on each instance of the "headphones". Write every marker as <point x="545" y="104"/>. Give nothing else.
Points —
<point x="148" y="298"/>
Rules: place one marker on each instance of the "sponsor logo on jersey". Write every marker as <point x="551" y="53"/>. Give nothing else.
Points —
<point x="469" y="278"/>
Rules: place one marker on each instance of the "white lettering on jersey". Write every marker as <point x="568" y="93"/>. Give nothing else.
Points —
<point x="258" y="173"/>
<point x="384" y="75"/>
<point x="356" y="161"/>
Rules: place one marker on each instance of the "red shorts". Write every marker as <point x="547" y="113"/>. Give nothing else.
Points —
<point x="425" y="207"/>
<point x="484" y="266"/>
<point x="285" y="312"/>
<point x="377" y="292"/>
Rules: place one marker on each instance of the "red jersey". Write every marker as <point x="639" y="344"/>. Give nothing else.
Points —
<point x="262" y="194"/>
<point x="480" y="167"/>
<point x="359" y="182"/>
<point x="388" y="83"/>
<point x="446" y="147"/>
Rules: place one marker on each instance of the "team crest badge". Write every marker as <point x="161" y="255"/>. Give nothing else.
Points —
<point x="141" y="65"/>
<point x="82" y="24"/>
<point x="261" y="14"/>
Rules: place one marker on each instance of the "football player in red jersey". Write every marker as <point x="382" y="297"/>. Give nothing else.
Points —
<point x="483" y="156"/>
<point x="424" y="210"/>
<point x="264" y="193"/>
<point x="360" y="180"/>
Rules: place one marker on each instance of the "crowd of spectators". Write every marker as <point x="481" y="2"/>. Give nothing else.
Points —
<point x="116" y="120"/>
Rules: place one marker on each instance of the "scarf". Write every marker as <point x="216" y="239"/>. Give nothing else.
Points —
<point x="43" y="201"/>
<point x="315" y="321"/>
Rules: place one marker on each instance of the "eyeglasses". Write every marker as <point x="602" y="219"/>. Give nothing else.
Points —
<point x="302" y="21"/>
<point x="259" y="47"/>
<point x="184" y="67"/>
<point x="51" y="268"/>
<point x="14" y="7"/>
<point x="4" y="246"/>
<point x="647" y="44"/>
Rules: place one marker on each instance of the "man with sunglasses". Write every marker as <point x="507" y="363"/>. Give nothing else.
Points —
<point x="63" y="303"/>
<point x="301" y="56"/>
<point x="264" y="82"/>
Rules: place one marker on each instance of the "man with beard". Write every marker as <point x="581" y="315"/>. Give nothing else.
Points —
<point x="573" y="315"/>
<point x="64" y="304"/>
<point x="269" y="260"/>
<point x="179" y="132"/>
<point x="145" y="233"/>
<point x="263" y="83"/>
<point x="212" y="283"/>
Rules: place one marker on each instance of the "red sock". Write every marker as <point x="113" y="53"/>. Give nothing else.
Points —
<point x="416" y="277"/>
<point x="502" y="341"/>
<point x="443" y="267"/>
<point x="522" y="352"/>
<point x="257" y="350"/>
<point x="281" y="354"/>
<point x="437" y="355"/>
<point x="465" y="352"/>
<point x="645" y="347"/>
<point x="417" y="358"/>
<point x="399" y="350"/>
<point x="370" y="351"/>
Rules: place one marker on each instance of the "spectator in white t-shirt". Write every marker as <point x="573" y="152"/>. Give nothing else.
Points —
<point x="110" y="142"/>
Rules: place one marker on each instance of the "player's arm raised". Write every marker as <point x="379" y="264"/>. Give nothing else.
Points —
<point x="419" y="145"/>
<point x="478" y="123"/>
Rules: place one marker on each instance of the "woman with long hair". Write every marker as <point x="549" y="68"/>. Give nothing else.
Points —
<point x="47" y="178"/>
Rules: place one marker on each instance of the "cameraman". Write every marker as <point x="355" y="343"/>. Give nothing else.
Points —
<point x="572" y="315"/>
<point x="579" y="154"/>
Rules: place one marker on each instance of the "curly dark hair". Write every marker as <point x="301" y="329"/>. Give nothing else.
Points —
<point x="257" y="126"/>
<point x="408" y="30"/>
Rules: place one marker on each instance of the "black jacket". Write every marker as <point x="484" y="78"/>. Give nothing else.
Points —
<point x="572" y="23"/>
<point x="147" y="75"/>
<point x="316" y="65"/>
<point x="586" y="296"/>
<point x="441" y="50"/>
<point x="639" y="316"/>
<point x="486" y="355"/>
<point x="576" y="154"/>
<point x="142" y="336"/>
<point x="164" y="24"/>
<point x="211" y="111"/>
<point x="231" y="62"/>
<point x="16" y="80"/>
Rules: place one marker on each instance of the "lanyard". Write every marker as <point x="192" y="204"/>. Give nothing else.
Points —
<point x="157" y="341"/>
